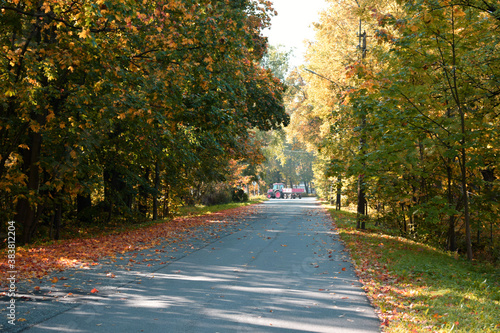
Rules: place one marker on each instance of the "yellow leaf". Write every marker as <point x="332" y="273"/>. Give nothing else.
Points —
<point x="209" y="60"/>
<point x="84" y="34"/>
<point x="459" y="12"/>
<point x="35" y="127"/>
<point x="50" y="116"/>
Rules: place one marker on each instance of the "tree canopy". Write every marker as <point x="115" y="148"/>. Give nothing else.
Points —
<point x="407" y="97"/>
<point x="117" y="107"/>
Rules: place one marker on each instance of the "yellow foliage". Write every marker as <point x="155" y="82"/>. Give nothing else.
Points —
<point x="85" y="33"/>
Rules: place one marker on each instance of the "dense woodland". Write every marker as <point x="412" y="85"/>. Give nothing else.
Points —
<point x="123" y="109"/>
<point x="400" y="101"/>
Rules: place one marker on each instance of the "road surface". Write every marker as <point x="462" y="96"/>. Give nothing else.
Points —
<point x="283" y="270"/>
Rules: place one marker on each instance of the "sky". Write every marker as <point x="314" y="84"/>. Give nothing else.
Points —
<point x="293" y="25"/>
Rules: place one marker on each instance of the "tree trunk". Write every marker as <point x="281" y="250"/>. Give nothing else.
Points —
<point x="144" y="194"/>
<point x="361" y="211"/>
<point x="26" y="210"/>
<point x="465" y="195"/>
<point x="338" y="203"/>
<point x="83" y="206"/>
<point x="57" y="221"/>
<point x="452" y="242"/>
<point x="157" y="188"/>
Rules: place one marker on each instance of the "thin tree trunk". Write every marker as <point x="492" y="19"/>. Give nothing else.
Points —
<point x="339" y="194"/>
<point x="157" y="187"/>
<point x="452" y="245"/>
<point x="468" y="239"/>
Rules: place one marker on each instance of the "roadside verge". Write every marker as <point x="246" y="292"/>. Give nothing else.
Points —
<point x="417" y="288"/>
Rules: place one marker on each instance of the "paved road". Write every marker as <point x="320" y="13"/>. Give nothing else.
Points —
<point x="283" y="270"/>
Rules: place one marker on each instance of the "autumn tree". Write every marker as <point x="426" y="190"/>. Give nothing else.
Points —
<point x="428" y="91"/>
<point x="288" y="160"/>
<point x="109" y="106"/>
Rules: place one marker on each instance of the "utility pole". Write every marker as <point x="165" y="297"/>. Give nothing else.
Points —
<point x="362" y="208"/>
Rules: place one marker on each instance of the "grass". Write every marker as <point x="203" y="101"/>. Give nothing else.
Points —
<point x="417" y="288"/>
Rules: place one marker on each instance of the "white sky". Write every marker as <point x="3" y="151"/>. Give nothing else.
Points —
<point x="293" y="25"/>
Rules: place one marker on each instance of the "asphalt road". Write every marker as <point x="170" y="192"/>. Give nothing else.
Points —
<point x="283" y="269"/>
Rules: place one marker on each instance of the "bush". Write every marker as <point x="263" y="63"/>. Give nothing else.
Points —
<point x="216" y="195"/>
<point x="239" y="195"/>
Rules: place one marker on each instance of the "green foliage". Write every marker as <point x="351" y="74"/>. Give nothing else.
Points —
<point x="217" y="194"/>
<point x="287" y="159"/>
<point x="131" y="104"/>
<point x="239" y="195"/>
<point x="415" y="117"/>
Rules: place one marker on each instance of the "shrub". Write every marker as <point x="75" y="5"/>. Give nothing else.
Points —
<point x="217" y="195"/>
<point x="239" y="195"/>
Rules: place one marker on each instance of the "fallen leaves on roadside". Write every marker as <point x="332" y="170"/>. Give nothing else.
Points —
<point x="37" y="262"/>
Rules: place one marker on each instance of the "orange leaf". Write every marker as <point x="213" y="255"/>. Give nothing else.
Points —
<point x="343" y="268"/>
<point x="54" y="280"/>
<point x="94" y="291"/>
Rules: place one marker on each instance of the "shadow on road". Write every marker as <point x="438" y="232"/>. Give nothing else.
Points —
<point x="285" y="271"/>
